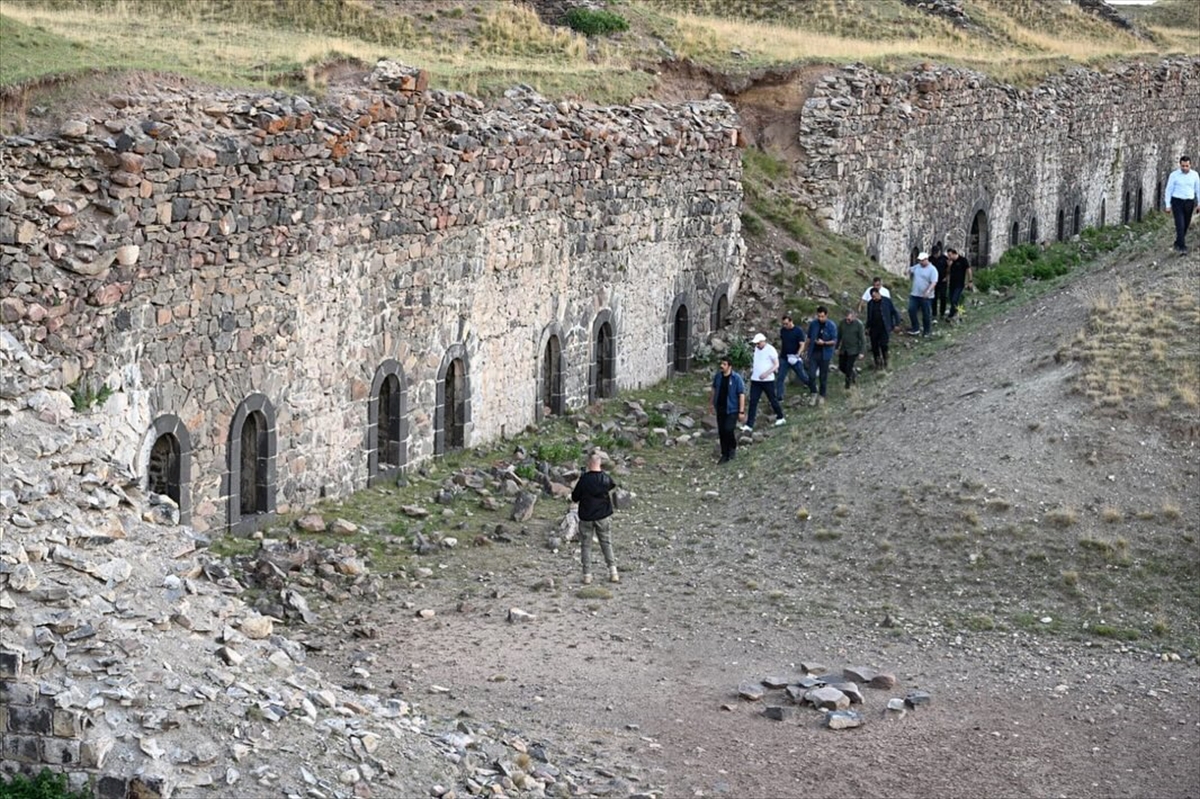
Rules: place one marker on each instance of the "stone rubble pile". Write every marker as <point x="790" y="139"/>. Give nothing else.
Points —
<point x="835" y="694"/>
<point x="129" y="658"/>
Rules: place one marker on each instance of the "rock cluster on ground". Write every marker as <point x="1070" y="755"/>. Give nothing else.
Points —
<point x="816" y="687"/>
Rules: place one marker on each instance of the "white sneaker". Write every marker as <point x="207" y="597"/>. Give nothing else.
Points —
<point x="613" y="576"/>
<point x="587" y="579"/>
<point x="747" y="428"/>
<point x="779" y="422"/>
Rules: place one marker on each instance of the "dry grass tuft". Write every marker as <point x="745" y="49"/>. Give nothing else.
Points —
<point x="1111" y="515"/>
<point x="1062" y="517"/>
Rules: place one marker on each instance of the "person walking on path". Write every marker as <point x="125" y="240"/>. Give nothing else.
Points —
<point x="940" y="289"/>
<point x="1183" y="188"/>
<point x="876" y="283"/>
<point x="791" y="350"/>
<point x="851" y="346"/>
<point x="882" y="318"/>
<point x="822" y="340"/>
<point x="924" y="279"/>
<point x="961" y="278"/>
<point x="762" y="381"/>
<point x="593" y="493"/>
<point x="728" y="401"/>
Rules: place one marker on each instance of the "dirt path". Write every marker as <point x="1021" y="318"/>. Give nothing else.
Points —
<point x="960" y="534"/>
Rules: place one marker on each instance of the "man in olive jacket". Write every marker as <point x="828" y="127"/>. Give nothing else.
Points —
<point x="852" y="345"/>
<point x="595" y="516"/>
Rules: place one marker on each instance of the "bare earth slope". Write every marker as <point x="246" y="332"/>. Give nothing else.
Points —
<point x="971" y="524"/>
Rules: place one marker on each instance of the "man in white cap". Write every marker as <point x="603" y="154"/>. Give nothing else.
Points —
<point x="762" y="380"/>
<point x="924" y="280"/>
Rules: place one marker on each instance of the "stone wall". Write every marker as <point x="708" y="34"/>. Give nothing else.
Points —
<point x="250" y="275"/>
<point x="902" y="162"/>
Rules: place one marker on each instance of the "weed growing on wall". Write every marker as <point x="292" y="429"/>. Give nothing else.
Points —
<point x="46" y="785"/>
<point x="84" y="397"/>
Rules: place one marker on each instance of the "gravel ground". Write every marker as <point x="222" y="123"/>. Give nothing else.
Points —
<point x="953" y="524"/>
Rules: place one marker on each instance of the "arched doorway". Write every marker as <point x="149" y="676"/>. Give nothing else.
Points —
<point x="1138" y="208"/>
<point x="162" y="469"/>
<point x="1126" y="208"/>
<point x="387" y="426"/>
<point x="719" y="314"/>
<point x="1033" y="231"/>
<point x="977" y="241"/>
<point x="681" y="340"/>
<point x="454" y="416"/>
<point x="1076" y="220"/>
<point x="604" y="357"/>
<point x="1014" y="234"/>
<point x="251" y="463"/>
<point x="167" y="453"/>
<point x="252" y="487"/>
<point x="912" y="254"/>
<point x="1103" y="211"/>
<point x="552" y="377"/>
<point x="1060" y="229"/>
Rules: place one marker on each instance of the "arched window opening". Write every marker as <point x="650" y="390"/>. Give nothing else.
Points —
<point x="1138" y="209"/>
<point x="552" y="378"/>
<point x="387" y="423"/>
<point x="683" y="341"/>
<point x="1076" y="221"/>
<point x="1033" y="231"/>
<point x="977" y="242"/>
<point x="1126" y="208"/>
<point x="162" y="471"/>
<point x="1060" y="229"/>
<point x="1103" y="211"/>
<point x="721" y="320"/>
<point x="1014" y="234"/>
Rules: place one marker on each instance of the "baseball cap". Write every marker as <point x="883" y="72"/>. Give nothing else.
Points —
<point x="922" y="256"/>
<point x="757" y="338"/>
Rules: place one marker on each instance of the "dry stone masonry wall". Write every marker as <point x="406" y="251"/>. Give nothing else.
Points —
<point x="290" y="299"/>
<point x="943" y="154"/>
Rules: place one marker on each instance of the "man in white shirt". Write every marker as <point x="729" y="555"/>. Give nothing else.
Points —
<point x="1180" y="197"/>
<point x="876" y="283"/>
<point x="762" y="380"/>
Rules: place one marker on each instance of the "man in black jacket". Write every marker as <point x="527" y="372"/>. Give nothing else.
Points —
<point x="595" y="512"/>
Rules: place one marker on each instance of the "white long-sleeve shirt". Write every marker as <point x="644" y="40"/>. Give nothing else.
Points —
<point x="1184" y="185"/>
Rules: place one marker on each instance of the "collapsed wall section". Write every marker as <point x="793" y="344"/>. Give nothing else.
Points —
<point x="944" y="154"/>
<point x="318" y="295"/>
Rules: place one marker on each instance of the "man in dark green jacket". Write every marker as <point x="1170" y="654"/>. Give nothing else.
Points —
<point x="852" y="345"/>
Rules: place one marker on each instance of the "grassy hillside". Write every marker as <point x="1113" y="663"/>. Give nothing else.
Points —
<point x="486" y="45"/>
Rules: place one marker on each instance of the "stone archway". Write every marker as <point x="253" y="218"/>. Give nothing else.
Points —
<point x="387" y="423"/>
<point x="603" y="383"/>
<point x="251" y="453"/>
<point x="452" y="415"/>
<point x="167" y="456"/>
<point x="679" y="339"/>
<point x="978" y="247"/>
<point x="1076" y="220"/>
<point x="1014" y="234"/>
<point x="1138" y="208"/>
<point x="719" y="313"/>
<point x="552" y="377"/>
<point x="1060" y="230"/>
<point x="1033" y="229"/>
<point x="1103" y="210"/>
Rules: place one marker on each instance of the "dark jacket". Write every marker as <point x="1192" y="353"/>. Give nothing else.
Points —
<point x="882" y="316"/>
<point x="737" y="387"/>
<point x="591" y="492"/>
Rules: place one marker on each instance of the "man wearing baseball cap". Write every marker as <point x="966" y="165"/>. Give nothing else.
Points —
<point x="920" y="296"/>
<point x="762" y="380"/>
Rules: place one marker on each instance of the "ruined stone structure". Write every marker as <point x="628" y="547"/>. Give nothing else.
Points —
<point x="948" y="155"/>
<point x="291" y="301"/>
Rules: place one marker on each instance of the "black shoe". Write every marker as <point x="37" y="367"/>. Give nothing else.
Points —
<point x="724" y="459"/>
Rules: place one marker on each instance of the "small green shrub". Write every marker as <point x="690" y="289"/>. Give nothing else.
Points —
<point x="595" y="23"/>
<point x="792" y="257"/>
<point x="560" y="452"/>
<point x="46" y="785"/>
<point x="740" y="354"/>
<point x="656" y="419"/>
<point x="526" y="471"/>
